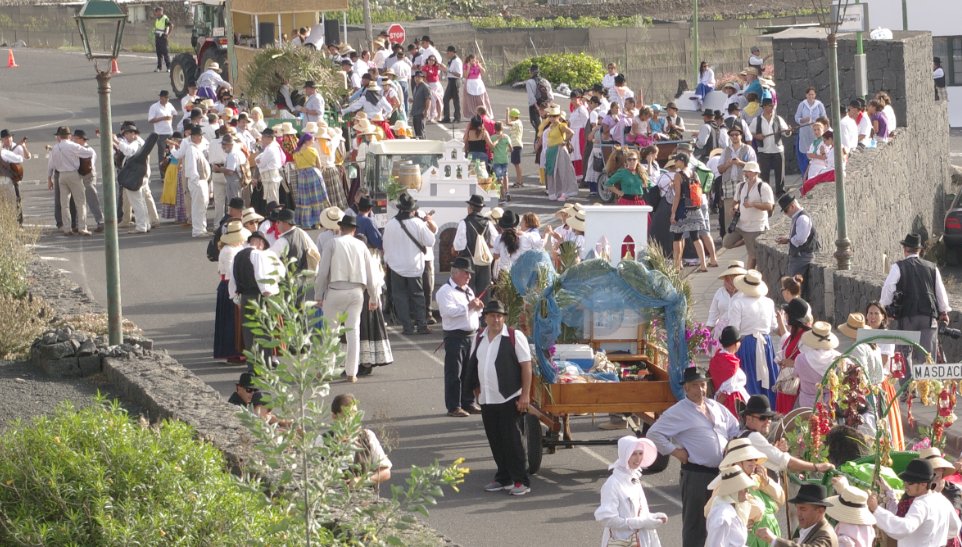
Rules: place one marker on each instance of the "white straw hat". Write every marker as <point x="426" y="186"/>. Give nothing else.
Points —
<point x="751" y="284"/>
<point x="934" y="456"/>
<point x="330" y="217"/>
<point x="849" y="506"/>
<point x="820" y="337"/>
<point x="732" y="480"/>
<point x="735" y="267"/>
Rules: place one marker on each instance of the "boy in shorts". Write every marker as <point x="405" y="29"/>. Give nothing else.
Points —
<point x="515" y="131"/>
<point x="502" y="149"/>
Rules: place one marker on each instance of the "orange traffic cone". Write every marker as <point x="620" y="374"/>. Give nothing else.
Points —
<point x="11" y="62"/>
<point x="114" y="68"/>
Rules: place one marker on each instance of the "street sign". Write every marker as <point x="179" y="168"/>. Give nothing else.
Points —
<point x="395" y="33"/>
<point x="851" y="17"/>
<point x="889" y="336"/>
<point x="937" y="371"/>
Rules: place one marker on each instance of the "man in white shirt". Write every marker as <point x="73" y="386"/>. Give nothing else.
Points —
<point x="758" y="416"/>
<point x="13" y="156"/>
<point x="470" y="228"/>
<point x="88" y="174"/>
<point x="753" y="201"/>
<point x="64" y="162"/>
<point x="402" y="68"/>
<point x="344" y="272"/>
<point x="499" y="373"/>
<point x="769" y="129"/>
<point x="313" y="108"/>
<point x="452" y="94"/>
<point x="196" y="172"/>
<point x="856" y="112"/>
<point x="231" y="168"/>
<point x="217" y="156"/>
<point x="269" y="162"/>
<point x="695" y="430"/>
<point x="427" y="50"/>
<point x="256" y="274"/>
<point x="930" y="521"/>
<point x="733" y="159"/>
<point x="407" y="239"/>
<point x="923" y="297"/>
<point x="460" y="311"/>
<point x="161" y="119"/>
<point x="801" y="240"/>
<point x="381" y="53"/>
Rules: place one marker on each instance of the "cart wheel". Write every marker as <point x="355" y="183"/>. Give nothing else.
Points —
<point x="604" y="191"/>
<point x="531" y="430"/>
<point x="660" y="463"/>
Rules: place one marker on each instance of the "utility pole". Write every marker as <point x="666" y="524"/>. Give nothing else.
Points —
<point x="905" y="15"/>
<point x="694" y="31"/>
<point x="368" y="28"/>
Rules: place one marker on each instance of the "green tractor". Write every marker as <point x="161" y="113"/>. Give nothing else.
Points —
<point x="209" y="39"/>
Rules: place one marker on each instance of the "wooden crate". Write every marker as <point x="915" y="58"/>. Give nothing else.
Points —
<point x="635" y="397"/>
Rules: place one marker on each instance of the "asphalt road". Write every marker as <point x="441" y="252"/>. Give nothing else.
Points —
<point x="168" y="289"/>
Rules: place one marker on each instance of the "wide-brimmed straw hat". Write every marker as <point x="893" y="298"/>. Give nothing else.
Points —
<point x="751" y="167"/>
<point x="330" y="217"/>
<point x="849" y="506"/>
<point x="250" y="215"/>
<point x="740" y="450"/>
<point x="235" y="233"/>
<point x="934" y="456"/>
<point x="553" y="110"/>
<point x="310" y="127"/>
<point x="851" y="325"/>
<point x="214" y="66"/>
<point x="577" y="221"/>
<point x="732" y="480"/>
<point x="735" y="267"/>
<point x="820" y="337"/>
<point x="751" y="284"/>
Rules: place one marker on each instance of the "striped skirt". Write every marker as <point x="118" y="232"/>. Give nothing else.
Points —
<point x="310" y="197"/>
<point x="182" y="206"/>
<point x="334" y="179"/>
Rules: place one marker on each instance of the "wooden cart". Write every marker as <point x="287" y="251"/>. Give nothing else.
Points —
<point x="546" y="425"/>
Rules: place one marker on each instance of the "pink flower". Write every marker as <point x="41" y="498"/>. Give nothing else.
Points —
<point x="921" y="445"/>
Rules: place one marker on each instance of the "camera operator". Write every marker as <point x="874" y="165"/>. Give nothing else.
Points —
<point x="914" y="295"/>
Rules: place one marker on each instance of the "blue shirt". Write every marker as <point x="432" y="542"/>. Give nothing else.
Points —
<point x="366" y="227"/>
<point x="683" y="426"/>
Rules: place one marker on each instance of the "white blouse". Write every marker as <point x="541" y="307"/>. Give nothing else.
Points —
<point x="752" y="315"/>
<point x="718" y="311"/>
<point x="725" y="529"/>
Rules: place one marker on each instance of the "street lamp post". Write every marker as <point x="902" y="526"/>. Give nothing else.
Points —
<point x="106" y="17"/>
<point x="843" y="246"/>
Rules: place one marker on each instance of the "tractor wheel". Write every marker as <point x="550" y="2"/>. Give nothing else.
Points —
<point x="661" y="461"/>
<point x="182" y="71"/>
<point x="215" y="55"/>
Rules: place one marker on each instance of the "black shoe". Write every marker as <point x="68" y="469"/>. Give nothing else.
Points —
<point x="472" y="409"/>
<point x="365" y="370"/>
<point x="432" y="321"/>
<point x="425" y="330"/>
<point x="407" y="332"/>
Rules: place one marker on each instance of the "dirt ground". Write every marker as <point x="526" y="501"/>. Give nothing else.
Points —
<point x="666" y="10"/>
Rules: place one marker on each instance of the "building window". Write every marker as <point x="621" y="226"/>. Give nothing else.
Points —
<point x="949" y="49"/>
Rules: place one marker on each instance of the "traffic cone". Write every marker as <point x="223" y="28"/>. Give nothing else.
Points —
<point x="114" y="68"/>
<point x="11" y="62"/>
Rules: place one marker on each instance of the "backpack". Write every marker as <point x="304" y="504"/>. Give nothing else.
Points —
<point x="542" y="91"/>
<point x="482" y="253"/>
<point x="692" y="196"/>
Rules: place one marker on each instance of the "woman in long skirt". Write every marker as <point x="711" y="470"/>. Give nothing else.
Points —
<point x="227" y="320"/>
<point x="432" y="78"/>
<point x="375" y="348"/>
<point x="310" y="195"/>
<point x="559" y="172"/>
<point x="334" y="177"/>
<point x="168" y="198"/>
<point x="475" y="93"/>
<point x="753" y="315"/>
<point x="182" y="204"/>
<point x="875" y="318"/>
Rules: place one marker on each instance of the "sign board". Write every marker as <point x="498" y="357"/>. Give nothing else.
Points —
<point x="395" y="33"/>
<point x="910" y="335"/>
<point x="937" y="371"/>
<point x="851" y="17"/>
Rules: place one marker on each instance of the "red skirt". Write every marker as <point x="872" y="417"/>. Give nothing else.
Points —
<point x="784" y="403"/>
<point x="635" y="200"/>
<point x="827" y="176"/>
<point x="734" y="402"/>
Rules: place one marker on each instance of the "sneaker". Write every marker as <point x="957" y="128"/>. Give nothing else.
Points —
<point x="519" y="489"/>
<point x="495" y="486"/>
<point x="458" y="413"/>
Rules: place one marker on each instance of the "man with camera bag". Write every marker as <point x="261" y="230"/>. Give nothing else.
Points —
<point x="914" y="295"/>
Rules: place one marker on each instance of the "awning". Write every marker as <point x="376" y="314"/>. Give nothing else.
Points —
<point x="274" y="7"/>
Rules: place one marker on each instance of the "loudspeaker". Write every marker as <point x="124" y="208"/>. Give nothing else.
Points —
<point x="265" y="33"/>
<point x="332" y="32"/>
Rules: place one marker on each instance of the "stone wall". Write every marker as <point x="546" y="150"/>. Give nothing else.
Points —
<point x="890" y="191"/>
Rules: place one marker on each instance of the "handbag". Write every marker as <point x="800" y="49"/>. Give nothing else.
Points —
<point x="653" y="196"/>
<point x="787" y="381"/>
<point x="598" y="163"/>
<point x="630" y="541"/>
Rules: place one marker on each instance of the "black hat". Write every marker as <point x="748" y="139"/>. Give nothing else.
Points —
<point x="80" y="133"/>
<point x="164" y="93"/>
<point x="758" y="405"/>
<point x="735" y="129"/>
<point x="463" y="263"/>
<point x="796" y="310"/>
<point x="177" y="135"/>
<point x="257" y="234"/>
<point x="261" y="398"/>
<point x="243" y="116"/>
<point x="708" y="113"/>
<point x="62" y="131"/>
<point x="196" y="113"/>
<point x="918" y="470"/>
<point x="785" y="201"/>
<point x="246" y="380"/>
<point x="693" y="374"/>
<point x="767" y="101"/>
<point x="912" y="241"/>
<point x="5" y="133"/>
<point x="729" y="336"/>
<point x="195" y="130"/>
<point x="346" y="62"/>
<point x="533" y="68"/>
<point x="405" y="202"/>
<point x="268" y="132"/>
<point x="681" y="156"/>
<point x="494" y="306"/>
<point x="348" y="221"/>
<point x="812" y="494"/>
<point x="425" y="38"/>
<point x="310" y="84"/>
<point x="937" y="60"/>
<point x="733" y="108"/>
<point x="236" y="203"/>
<point x="364" y="203"/>
<point x="286" y="215"/>
<point x="509" y="219"/>
<point x="452" y="49"/>
<point x="476" y="201"/>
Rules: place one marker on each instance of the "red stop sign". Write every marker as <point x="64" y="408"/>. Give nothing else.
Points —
<point x="395" y="33"/>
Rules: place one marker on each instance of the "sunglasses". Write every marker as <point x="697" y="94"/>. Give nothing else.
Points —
<point x="765" y="418"/>
<point x="631" y="159"/>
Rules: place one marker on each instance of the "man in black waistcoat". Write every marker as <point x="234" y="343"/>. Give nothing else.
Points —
<point x="256" y="273"/>
<point x="914" y="295"/>
<point x="465" y="241"/>
<point x="802" y="240"/>
<point x="499" y="371"/>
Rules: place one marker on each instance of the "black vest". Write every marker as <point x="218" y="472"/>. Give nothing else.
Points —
<point x="474" y="224"/>
<point x="506" y="364"/>
<point x="244" y="277"/>
<point x="806" y="249"/>
<point x="917" y="285"/>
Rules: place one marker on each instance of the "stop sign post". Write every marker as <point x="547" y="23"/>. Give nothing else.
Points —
<point x="395" y="33"/>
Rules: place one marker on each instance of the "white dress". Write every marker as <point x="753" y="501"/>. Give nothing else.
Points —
<point x="624" y="507"/>
<point x="725" y="528"/>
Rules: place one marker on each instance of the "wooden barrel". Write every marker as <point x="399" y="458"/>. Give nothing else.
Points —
<point x="396" y="168"/>
<point x="410" y="176"/>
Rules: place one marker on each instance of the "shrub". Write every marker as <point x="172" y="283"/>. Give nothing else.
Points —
<point x="95" y="477"/>
<point x="15" y="253"/>
<point x="21" y="321"/>
<point x="578" y="70"/>
<point x="495" y="21"/>
<point x="295" y="65"/>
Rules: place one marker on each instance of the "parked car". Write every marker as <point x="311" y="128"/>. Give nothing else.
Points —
<point x="952" y="230"/>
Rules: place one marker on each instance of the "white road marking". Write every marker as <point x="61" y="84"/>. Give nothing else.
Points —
<point x="54" y="258"/>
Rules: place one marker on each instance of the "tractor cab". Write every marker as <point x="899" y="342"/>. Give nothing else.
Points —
<point x="209" y="38"/>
